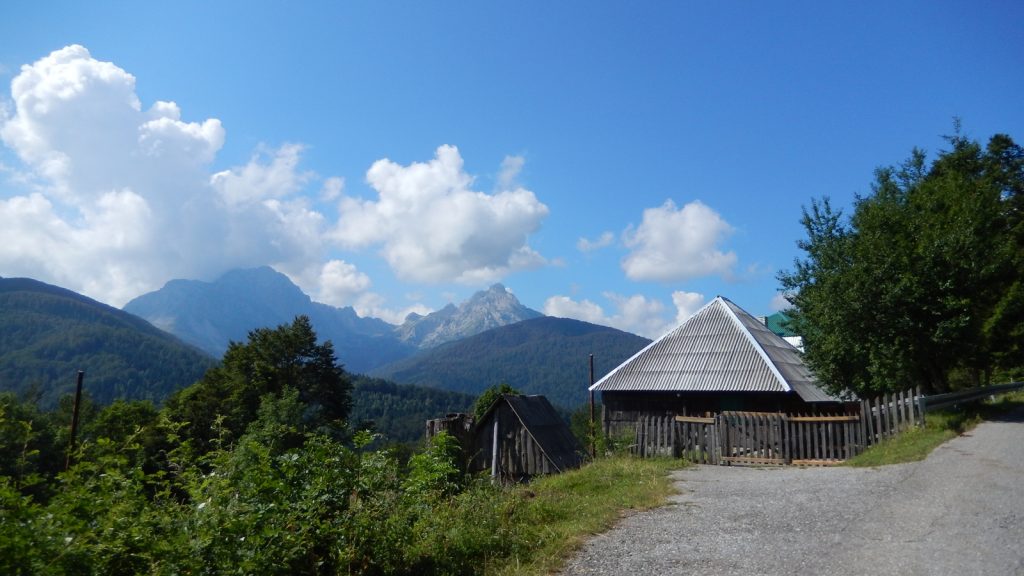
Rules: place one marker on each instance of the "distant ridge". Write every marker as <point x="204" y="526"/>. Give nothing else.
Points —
<point x="48" y="333"/>
<point x="212" y="314"/>
<point x="543" y="355"/>
<point x="209" y="315"/>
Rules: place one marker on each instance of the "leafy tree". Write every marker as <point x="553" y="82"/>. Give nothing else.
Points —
<point x="922" y="284"/>
<point x="488" y="396"/>
<point x="435" y="472"/>
<point x="272" y="361"/>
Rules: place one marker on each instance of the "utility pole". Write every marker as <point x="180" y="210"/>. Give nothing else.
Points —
<point x="593" y="427"/>
<point x="74" y="419"/>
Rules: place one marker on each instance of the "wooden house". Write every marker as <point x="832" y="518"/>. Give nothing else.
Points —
<point x="719" y="359"/>
<point x="523" y="436"/>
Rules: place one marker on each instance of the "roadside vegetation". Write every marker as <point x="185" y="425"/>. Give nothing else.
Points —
<point x="253" y="470"/>
<point x="923" y="283"/>
<point x="560" y="512"/>
<point x="915" y="444"/>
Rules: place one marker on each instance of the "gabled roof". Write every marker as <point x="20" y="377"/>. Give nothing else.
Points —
<point x="547" y="428"/>
<point x="721" y="348"/>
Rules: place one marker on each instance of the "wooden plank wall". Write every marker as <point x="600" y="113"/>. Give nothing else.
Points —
<point x="761" y="438"/>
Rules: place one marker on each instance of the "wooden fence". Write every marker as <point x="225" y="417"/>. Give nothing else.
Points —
<point x="769" y="438"/>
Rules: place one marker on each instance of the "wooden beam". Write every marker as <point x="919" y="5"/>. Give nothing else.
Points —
<point x="823" y="418"/>
<point x="817" y="462"/>
<point x="753" y="460"/>
<point x="695" y="420"/>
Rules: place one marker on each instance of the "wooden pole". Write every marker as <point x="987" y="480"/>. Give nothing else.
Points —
<point x="593" y="426"/>
<point x="494" y="449"/>
<point x="74" y="420"/>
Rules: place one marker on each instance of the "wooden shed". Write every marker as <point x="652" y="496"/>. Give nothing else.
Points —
<point x="523" y="436"/>
<point x="720" y="359"/>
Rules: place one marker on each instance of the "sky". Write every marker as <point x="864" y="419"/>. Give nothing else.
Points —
<point x="619" y="163"/>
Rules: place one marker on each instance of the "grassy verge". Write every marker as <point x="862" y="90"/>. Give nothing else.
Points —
<point x="557" y="513"/>
<point x="939" y="427"/>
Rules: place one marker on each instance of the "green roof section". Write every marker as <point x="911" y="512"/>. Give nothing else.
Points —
<point x="777" y="323"/>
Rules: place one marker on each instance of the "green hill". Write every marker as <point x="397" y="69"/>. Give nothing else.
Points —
<point x="540" y="356"/>
<point x="400" y="411"/>
<point x="48" y="333"/>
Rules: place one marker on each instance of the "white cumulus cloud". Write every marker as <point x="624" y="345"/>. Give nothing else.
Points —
<point x="262" y="178"/>
<point x="638" y="314"/>
<point x="686" y="304"/>
<point x="431" y="226"/>
<point x="673" y="244"/>
<point x="371" y="304"/>
<point x="588" y="245"/>
<point x="114" y="199"/>
<point x="340" y="283"/>
<point x="779" y="302"/>
<point x="511" y="166"/>
<point x="585" y="310"/>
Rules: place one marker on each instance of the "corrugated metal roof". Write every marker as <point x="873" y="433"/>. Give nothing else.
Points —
<point x="721" y="348"/>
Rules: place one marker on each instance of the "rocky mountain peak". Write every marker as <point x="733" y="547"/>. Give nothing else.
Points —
<point x="487" y="309"/>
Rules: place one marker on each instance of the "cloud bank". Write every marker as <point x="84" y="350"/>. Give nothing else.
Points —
<point x="113" y="199"/>
<point x="637" y="314"/>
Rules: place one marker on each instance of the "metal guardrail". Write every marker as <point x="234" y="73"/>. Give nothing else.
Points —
<point x="939" y="401"/>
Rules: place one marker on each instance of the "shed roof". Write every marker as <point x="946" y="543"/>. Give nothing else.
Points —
<point x="546" y="427"/>
<point x="721" y="348"/>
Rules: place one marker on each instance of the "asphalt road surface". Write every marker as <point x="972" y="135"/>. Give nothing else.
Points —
<point x="960" y="511"/>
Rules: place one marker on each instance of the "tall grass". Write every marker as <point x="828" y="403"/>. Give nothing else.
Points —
<point x="940" y="426"/>
<point x="554" y="515"/>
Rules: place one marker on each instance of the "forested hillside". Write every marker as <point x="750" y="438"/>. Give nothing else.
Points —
<point x="398" y="411"/>
<point x="48" y="333"/>
<point x="541" y="356"/>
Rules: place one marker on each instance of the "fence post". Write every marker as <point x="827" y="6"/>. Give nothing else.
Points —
<point x="899" y="411"/>
<point x="922" y="405"/>
<point x="863" y="426"/>
<point x="721" y="436"/>
<point x="910" y="408"/>
<point x="879" y="417"/>
<point x="887" y="415"/>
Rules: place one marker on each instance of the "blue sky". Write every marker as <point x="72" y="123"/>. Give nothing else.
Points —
<point x="616" y="162"/>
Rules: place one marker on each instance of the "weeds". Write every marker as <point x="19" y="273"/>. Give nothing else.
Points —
<point x="940" y="426"/>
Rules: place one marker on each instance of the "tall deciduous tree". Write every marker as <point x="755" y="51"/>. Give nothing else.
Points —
<point x="922" y="285"/>
<point x="272" y="362"/>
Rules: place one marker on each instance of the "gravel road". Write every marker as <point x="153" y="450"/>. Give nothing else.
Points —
<point x="960" y="511"/>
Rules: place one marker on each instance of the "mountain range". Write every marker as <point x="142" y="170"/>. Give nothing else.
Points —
<point x="210" y="315"/>
<point x="490" y="338"/>
<point x="430" y="363"/>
